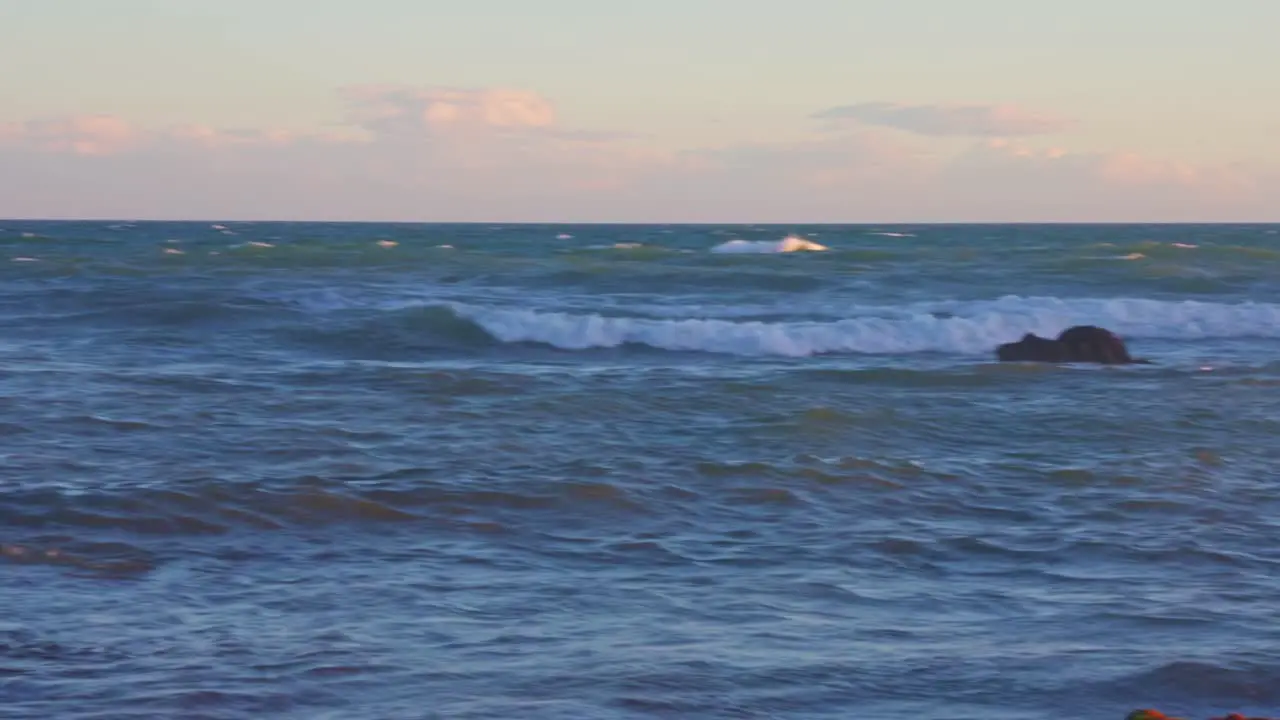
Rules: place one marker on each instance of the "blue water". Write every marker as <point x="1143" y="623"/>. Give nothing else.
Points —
<point x="290" y="470"/>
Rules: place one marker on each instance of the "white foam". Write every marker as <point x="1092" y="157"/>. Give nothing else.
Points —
<point x="892" y="234"/>
<point x="617" y="246"/>
<point x="968" y="328"/>
<point x="790" y="243"/>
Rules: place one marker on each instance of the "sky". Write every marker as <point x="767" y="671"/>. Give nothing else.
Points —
<point x="655" y="111"/>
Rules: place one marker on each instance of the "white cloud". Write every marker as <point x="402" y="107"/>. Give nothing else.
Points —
<point x="504" y="155"/>
<point x="386" y="109"/>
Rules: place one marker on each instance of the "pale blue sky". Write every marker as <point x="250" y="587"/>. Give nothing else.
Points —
<point x="1185" y="80"/>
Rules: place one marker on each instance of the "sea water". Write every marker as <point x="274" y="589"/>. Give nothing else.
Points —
<point x="294" y="470"/>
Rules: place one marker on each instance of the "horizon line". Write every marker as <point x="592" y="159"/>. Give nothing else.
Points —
<point x="823" y="223"/>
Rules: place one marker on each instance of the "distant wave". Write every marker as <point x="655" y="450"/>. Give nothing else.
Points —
<point x="972" y="327"/>
<point x="787" y="244"/>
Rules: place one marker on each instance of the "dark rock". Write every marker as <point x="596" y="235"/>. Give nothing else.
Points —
<point x="1033" y="348"/>
<point x="1080" y="343"/>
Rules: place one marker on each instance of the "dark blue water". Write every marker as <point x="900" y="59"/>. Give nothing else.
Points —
<point x="353" y="471"/>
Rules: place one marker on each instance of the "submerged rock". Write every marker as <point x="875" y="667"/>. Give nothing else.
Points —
<point x="1149" y="714"/>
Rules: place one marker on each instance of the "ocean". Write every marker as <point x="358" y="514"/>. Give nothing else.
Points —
<point x="386" y="471"/>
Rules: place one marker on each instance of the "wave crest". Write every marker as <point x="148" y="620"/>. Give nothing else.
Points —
<point x="966" y="328"/>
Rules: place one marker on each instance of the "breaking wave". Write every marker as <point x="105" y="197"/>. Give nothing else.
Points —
<point x="959" y="327"/>
<point x="787" y="244"/>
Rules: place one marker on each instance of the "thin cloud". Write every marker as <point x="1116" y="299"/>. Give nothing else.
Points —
<point x="1001" y="180"/>
<point x="950" y="120"/>
<point x="80" y="135"/>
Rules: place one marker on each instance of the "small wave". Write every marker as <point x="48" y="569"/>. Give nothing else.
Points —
<point x="216" y="507"/>
<point x="173" y="313"/>
<point x="765" y="496"/>
<point x="110" y="559"/>
<point x="1175" y="251"/>
<point x="788" y="244"/>
<point x="113" y="423"/>
<point x="892" y="234"/>
<point x="1226" y="682"/>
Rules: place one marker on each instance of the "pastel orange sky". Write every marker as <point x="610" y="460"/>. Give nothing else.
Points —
<point x="664" y="111"/>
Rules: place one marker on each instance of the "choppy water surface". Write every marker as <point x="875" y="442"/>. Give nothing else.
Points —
<point x="430" y="471"/>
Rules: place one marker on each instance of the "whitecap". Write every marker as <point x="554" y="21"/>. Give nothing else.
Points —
<point x="790" y="243"/>
<point x="617" y="246"/>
